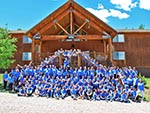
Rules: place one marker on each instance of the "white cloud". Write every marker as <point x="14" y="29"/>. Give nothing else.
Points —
<point x="117" y="13"/>
<point x="124" y="4"/>
<point x="103" y="13"/>
<point x="145" y="4"/>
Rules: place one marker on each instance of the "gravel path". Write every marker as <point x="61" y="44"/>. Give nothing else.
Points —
<point x="11" y="103"/>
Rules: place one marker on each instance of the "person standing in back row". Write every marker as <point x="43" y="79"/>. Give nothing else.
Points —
<point x="5" y="79"/>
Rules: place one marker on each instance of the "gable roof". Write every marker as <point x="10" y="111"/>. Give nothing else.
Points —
<point x="79" y="11"/>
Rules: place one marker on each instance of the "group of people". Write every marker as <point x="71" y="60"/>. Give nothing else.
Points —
<point x="96" y="82"/>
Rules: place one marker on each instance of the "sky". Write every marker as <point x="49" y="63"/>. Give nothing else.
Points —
<point x="119" y="14"/>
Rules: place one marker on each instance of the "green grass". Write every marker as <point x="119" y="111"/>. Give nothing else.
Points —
<point x="1" y="77"/>
<point x="147" y="91"/>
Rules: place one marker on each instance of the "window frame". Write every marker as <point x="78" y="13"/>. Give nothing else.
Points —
<point x="23" y="58"/>
<point x="117" y="38"/>
<point x="118" y="56"/>
<point x="27" y="40"/>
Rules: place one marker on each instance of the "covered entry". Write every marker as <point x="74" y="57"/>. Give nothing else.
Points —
<point x="71" y="27"/>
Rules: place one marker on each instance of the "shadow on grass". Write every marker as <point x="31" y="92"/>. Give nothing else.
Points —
<point x="1" y="88"/>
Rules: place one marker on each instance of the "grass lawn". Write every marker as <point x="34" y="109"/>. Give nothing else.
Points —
<point x="147" y="91"/>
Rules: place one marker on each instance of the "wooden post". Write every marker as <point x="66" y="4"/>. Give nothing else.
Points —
<point x="33" y="50"/>
<point x="110" y="50"/>
<point x="60" y="59"/>
<point x="79" y="59"/>
<point x="105" y="49"/>
<point x="94" y="54"/>
<point x="71" y="21"/>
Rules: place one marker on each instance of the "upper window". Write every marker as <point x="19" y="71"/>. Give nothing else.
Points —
<point x="26" y="56"/>
<point x="119" y="38"/>
<point x="26" y="39"/>
<point x="119" y="55"/>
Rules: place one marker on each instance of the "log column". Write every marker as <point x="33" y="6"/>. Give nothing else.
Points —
<point x="60" y="59"/>
<point x="105" y="49"/>
<point x="110" y="50"/>
<point x="94" y="54"/>
<point x="33" y="50"/>
<point x="79" y="59"/>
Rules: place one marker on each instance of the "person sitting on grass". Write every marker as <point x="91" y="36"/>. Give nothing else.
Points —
<point x="124" y="97"/>
<point x="63" y="93"/>
<point x="96" y="95"/>
<point x="89" y="94"/>
<point x="22" y="91"/>
<point x="73" y="93"/>
<point x="57" y="93"/>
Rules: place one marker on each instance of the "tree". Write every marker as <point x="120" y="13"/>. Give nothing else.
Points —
<point x="7" y="48"/>
<point x="141" y="26"/>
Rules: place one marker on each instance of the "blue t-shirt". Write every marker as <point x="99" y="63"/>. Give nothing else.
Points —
<point x="5" y="76"/>
<point x="141" y="86"/>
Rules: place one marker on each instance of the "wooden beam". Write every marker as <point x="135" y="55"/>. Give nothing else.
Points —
<point x="53" y="37"/>
<point x="80" y="27"/>
<point x="91" y="37"/>
<point x="71" y="21"/>
<point x="62" y="28"/>
<point x="98" y="28"/>
<point x="47" y="26"/>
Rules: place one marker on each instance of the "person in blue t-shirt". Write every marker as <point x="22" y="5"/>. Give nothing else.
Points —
<point x="63" y="93"/>
<point x="5" y="79"/>
<point x="57" y="93"/>
<point x="124" y="97"/>
<point x="96" y="95"/>
<point x="10" y="82"/>
<point x="73" y="93"/>
<point x="141" y="88"/>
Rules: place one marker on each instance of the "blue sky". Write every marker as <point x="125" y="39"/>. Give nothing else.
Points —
<point x="119" y="14"/>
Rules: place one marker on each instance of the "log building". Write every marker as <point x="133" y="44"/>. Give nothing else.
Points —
<point x="73" y="27"/>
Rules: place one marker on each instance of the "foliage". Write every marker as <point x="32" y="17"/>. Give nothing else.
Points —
<point x="147" y="89"/>
<point x="7" y="48"/>
<point x="141" y="26"/>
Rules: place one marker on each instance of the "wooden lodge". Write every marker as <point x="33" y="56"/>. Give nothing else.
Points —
<point x="73" y="27"/>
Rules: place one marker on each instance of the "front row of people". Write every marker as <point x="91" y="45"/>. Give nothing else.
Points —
<point x="78" y="88"/>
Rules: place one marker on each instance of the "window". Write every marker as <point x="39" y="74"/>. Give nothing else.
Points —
<point x="119" y="55"/>
<point x="119" y="38"/>
<point x="26" y="56"/>
<point x="26" y="39"/>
